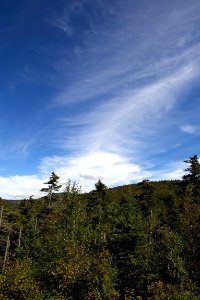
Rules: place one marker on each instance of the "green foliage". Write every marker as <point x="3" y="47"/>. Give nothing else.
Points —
<point x="133" y="242"/>
<point x="193" y="170"/>
<point x="52" y="186"/>
<point x="163" y="291"/>
<point x="18" y="281"/>
<point x="192" y="178"/>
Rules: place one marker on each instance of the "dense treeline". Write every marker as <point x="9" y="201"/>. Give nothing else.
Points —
<point x="133" y="242"/>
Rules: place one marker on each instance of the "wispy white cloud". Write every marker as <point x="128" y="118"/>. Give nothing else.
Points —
<point x="112" y="168"/>
<point x="111" y="77"/>
<point x="134" y="81"/>
<point x="133" y="50"/>
<point x="172" y="171"/>
<point x="188" y="128"/>
<point x="61" y="22"/>
<point x="20" y="187"/>
<point x="131" y="118"/>
<point x="118" y="129"/>
<point x="118" y="92"/>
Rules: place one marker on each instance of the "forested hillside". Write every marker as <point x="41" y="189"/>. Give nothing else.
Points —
<point x="137" y="241"/>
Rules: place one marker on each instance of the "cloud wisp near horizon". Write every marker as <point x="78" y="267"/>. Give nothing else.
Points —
<point x="119" y="83"/>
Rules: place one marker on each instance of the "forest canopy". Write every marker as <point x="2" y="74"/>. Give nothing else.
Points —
<point x="138" y="241"/>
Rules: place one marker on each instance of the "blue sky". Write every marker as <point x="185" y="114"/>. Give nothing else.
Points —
<point x="97" y="89"/>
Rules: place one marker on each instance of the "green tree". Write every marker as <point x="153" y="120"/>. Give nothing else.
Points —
<point x="192" y="177"/>
<point x="193" y="170"/>
<point x="101" y="188"/>
<point x="97" y="202"/>
<point x="2" y="204"/>
<point x="145" y="199"/>
<point x="52" y="186"/>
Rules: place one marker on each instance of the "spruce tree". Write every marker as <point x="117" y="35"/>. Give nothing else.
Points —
<point x="192" y="177"/>
<point x="193" y="170"/>
<point x="52" y="186"/>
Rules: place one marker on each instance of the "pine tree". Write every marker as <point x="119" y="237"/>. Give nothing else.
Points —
<point x="52" y="186"/>
<point x="192" y="178"/>
<point x="193" y="170"/>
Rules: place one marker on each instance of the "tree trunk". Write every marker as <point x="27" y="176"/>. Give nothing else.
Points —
<point x="6" y="252"/>
<point x="36" y="221"/>
<point x="20" y="235"/>
<point x="1" y="215"/>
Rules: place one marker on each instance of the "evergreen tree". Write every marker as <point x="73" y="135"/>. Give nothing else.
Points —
<point x="101" y="188"/>
<point x="145" y="199"/>
<point x="52" y="186"/>
<point x="193" y="170"/>
<point x="193" y="176"/>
